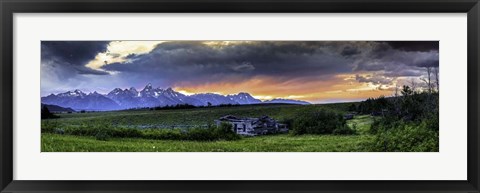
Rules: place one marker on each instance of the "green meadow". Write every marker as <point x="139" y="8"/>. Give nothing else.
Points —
<point x="273" y="143"/>
<point x="165" y="119"/>
<point x="55" y="137"/>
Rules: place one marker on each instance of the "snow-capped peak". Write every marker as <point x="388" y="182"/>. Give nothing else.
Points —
<point x="148" y="87"/>
<point x="133" y="91"/>
<point x="147" y="91"/>
<point x="94" y="93"/>
<point x="244" y="98"/>
<point x="76" y="92"/>
<point x="115" y="91"/>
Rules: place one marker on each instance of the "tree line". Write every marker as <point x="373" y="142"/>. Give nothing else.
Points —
<point x="407" y="121"/>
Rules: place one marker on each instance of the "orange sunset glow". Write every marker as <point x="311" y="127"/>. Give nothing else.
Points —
<point x="265" y="88"/>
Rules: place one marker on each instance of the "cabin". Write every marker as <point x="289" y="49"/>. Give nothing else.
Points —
<point x="253" y="126"/>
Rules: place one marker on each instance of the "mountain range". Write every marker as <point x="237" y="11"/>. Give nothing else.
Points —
<point x="118" y="99"/>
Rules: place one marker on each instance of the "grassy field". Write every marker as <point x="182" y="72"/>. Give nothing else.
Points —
<point x="178" y="117"/>
<point x="275" y="143"/>
<point x="361" y="123"/>
<point x="166" y="119"/>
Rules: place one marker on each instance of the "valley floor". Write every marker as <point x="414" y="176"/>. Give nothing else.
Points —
<point x="52" y="142"/>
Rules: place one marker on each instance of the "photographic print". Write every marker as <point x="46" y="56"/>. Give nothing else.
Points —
<point x="240" y="96"/>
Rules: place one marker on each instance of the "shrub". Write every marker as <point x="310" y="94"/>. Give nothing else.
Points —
<point x="345" y="130"/>
<point x="106" y="131"/>
<point x="384" y="123"/>
<point x="432" y="122"/>
<point x="406" y="137"/>
<point x="318" y="122"/>
<point x="288" y="122"/>
<point x="125" y="133"/>
<point x="225" y="132"/>
<point x="222" y="132"/>
<point x="200" y="135"/>
<point x="162" y="134"/>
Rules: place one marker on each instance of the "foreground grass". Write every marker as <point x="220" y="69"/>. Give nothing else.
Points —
<point x="275" y="143"/>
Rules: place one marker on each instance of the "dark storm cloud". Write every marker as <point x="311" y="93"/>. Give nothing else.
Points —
<point x="422" y="46"/>
<point x="428" y="63"/>
<point x="74" y="52"/>
<point x="379" y="50"/>
<point x="350" y="51"/>
<point x="384" y="57"/>
<point x="195" y="61"/>
<point x="72" y="56"/>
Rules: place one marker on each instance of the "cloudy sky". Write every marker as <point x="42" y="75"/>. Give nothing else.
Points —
<point x="314" y="71"/>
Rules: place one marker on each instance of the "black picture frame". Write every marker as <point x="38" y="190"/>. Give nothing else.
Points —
<point x="9" y="7"/>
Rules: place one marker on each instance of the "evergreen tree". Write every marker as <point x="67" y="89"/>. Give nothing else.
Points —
<point x="46" y="114"/>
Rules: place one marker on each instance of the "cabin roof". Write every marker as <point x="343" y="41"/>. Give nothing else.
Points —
<point x="232" y="118"/>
